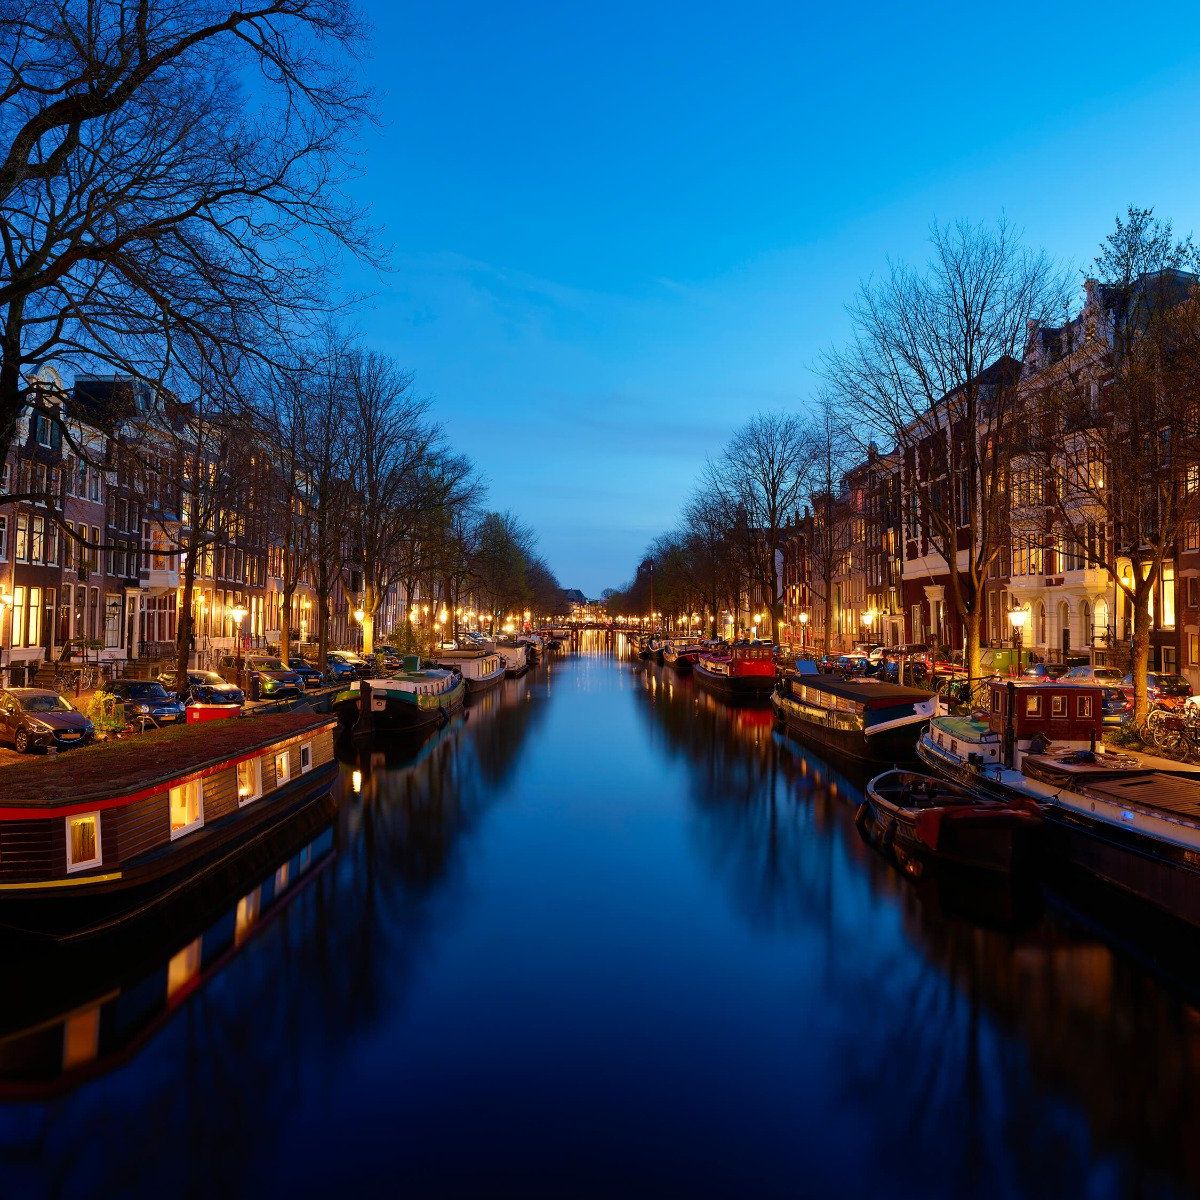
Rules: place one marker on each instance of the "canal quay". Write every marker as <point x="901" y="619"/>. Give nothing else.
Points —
<point x="603" y="935"/>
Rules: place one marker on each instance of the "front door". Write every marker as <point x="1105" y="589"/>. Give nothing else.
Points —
<point x="1066" y="641"/>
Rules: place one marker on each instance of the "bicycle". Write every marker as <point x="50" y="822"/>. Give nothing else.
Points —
<point x="1175" y="731"/>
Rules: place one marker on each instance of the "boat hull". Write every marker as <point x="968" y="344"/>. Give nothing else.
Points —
<point x="738" y="687"/>
<point x="485" y="683"/>
<point x="398" y="716"/>
<point x="896" y="745"/>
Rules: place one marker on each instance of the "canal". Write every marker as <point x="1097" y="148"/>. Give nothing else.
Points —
<point x="605" y="936"/>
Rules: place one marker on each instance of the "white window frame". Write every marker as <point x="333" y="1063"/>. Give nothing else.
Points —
<point x="183" y="830"/>
<point x="306" y="761"/>
<point x="286" y="777"/>
<point x="90" y="862"/>
<point x="257" y="791"/>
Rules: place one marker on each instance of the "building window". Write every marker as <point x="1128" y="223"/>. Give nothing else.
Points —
<point x="22" y="551"/>
<point x="35" y="617"/>
<point x="1193" y="649"/>
<point x="1168" y="595"/>
<point x="305" y="757"/>
<point x="43" y="430"/>
<point x="1058" y="706"/>
<point x="1193" y="591"/>
<point x="249" y="780"/>
<point x="3" y="539"/>
<point x="1033" y="706"/>
<point x="37" y="539"/>
<point x="18" y="617"/>
<point x="52" y="540"/>
<point x="187" y="810"/>
<point x="112" y="621"/>
<point x="282" y="768"/>
<point x="83" y="841"/>
<point x="1084" y="708"/>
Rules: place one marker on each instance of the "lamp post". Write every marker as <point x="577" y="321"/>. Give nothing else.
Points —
<point x="359" y="617"/>
<point x="757" y="622"/>
<point x="1017" y="619"/>
<point x="238" y="615"/>
<point x="804" y="631"/>
<point x="868" y="619"/>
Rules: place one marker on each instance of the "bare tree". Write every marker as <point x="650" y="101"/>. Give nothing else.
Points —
<point x="933" y="369"/>
<point x="1116" y="466"/>
<point x="760" y="480"/>
<point x="154" y="215"/>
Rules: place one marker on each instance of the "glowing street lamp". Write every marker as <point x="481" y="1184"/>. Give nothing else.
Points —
<point x="360" y="615"/>
<point x="1017" y="619"/>
<point x="238" y="614"/>
<point x="804" y="629"/>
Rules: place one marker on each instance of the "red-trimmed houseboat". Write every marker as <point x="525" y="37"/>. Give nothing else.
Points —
<point x="105" y="830"/>
<point x="745" y="670"/>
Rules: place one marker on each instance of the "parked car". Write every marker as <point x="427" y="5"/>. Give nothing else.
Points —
<point x="269" y="679"/>
<point x="309" y="674"/>
<point x="1044" y="671"/>
<point x="1090" y="676"/>
<point x="33" y="717"/>
<point x="205" y="687"/>
<point x="1164" y="690"/>
<point x="1116" y="705"/>
<point x="345" y="664"/>
<point x="147" y="698"/>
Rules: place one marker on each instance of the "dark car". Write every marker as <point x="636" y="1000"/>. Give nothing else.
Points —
<point x="1164" y="690"/>
<point x="145" y="700"/>
<point x="269" y="679"/>
<point x="1044" y="671"/>
<point x="205" y="687"/>
<point x="32" y="717"/>
<point x="345" y="665"/>
<point x="1116" y="706"/>
<point x="309" y="674"/>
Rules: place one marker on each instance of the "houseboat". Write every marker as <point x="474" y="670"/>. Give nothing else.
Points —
<point x="919" y="820"/>
<point x="107" y="829"/>
<point x="745" y="670"/>
<point x="515" y="659"/>
<point x="861" y="718"/>
<point x="481" y="669"/>
<point x="412" y="701"/>
<point x="682" y="655"/>
<point x="1129" y="826"/>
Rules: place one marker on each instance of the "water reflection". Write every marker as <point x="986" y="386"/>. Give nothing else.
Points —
<point x="604" y="935"/>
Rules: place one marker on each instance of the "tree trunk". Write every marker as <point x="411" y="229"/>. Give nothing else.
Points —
<point x="369" y="603"/>
<point x="285" y="623"/>
<point x="1140" y="666"/>
<point x="323" y="632"/>
<point x="827" y="630"/>
<point x="972" y="654"/>
<point x="183" y="633"/>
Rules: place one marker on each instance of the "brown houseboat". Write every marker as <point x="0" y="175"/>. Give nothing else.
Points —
<point x="90" y="836"/>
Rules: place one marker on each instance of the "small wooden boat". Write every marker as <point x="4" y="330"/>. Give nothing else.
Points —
<point x="408" y="702"/>
<point x="110" y="827"/>
<point x="742" y="671"/>
<point x="920" y="819"/>
<point x="480" y="669"/>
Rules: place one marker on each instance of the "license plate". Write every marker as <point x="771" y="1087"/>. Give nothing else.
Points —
<point x="68" y="737"/>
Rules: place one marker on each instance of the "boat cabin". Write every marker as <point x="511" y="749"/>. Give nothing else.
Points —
<point x="1058" y="712"/>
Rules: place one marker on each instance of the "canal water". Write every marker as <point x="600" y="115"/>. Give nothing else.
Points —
<point x="605" y="936"/>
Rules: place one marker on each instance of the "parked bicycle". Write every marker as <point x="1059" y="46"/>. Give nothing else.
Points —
<point x="1175" y="731"/>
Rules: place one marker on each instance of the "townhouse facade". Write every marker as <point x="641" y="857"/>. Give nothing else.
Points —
<point x="92" y="552"/>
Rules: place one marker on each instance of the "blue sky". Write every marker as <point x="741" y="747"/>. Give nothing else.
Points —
<point x="618" y="230"/>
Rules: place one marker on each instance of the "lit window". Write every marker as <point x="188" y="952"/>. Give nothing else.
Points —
<point x="83" y="841"/>
<point x="1033" y="705"/>
<point x="1058" y="706"/>
<point x="1085" y="706"/>
<point x="305" y="757"/>
<point x="249" y="780"/>
<point x="282" y="769"/>
<point x="186" y="809"/>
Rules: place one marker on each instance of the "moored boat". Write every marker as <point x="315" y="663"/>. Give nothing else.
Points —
<point x="480" y="669"/>
<point x="1123" y="823"/>
<point x="745" y="670"/>
<point x="682" y="655"/>
<point x="515" y="658"/>
<point x="411" y="701"/>
<point x="919" y="819"/>
<point x="861" y="718"/>
<point x="111" y="827"/>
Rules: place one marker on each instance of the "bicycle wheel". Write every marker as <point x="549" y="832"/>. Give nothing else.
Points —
<point x="1164" y="731"/>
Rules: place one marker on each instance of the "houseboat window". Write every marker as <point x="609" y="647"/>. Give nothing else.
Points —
<point x="1033" y="706"/>
<point x="282" y="769"/>
<point x="249" y="780"/>
<point x="1085" y="706"/>
<point x="1058" y="706"/>
<point x="305" y="757"/>
<point x="186" y="809"/>
<point x="83" y="841"/>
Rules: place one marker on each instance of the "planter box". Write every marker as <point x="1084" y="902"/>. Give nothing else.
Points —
<point x="211" y="712"/>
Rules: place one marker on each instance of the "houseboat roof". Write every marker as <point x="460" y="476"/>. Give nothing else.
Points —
<point x="864" y="691"/>
<point x="146" y="764"/>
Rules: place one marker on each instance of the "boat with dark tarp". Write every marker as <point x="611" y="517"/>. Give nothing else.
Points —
<point x="919" y="819"/>
<point x="861" y="718"/>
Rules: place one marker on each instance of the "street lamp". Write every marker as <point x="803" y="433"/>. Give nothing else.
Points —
<point x="804" y="630"/>
<point x="359" y="616"/>
<point x="1017" y="619"/>
<point x="238" y="615"/>
<point x="757" y="621"/>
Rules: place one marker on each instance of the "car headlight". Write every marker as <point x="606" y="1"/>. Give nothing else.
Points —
<point x="143" y="708"/>
<point x="40" y="727"/>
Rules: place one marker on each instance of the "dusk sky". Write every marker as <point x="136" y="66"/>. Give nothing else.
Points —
<point x="619" y="230"/>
